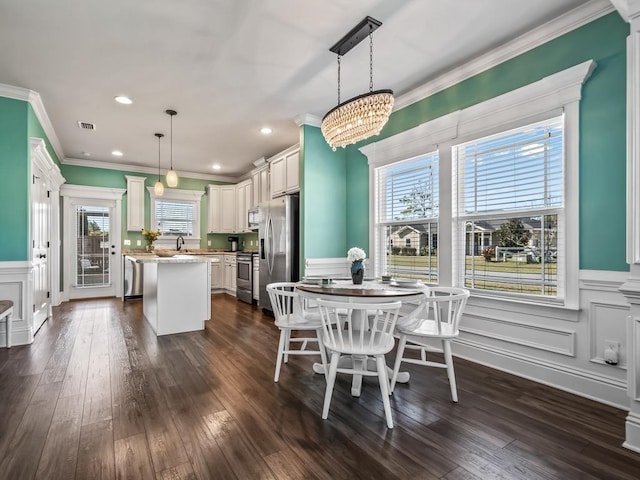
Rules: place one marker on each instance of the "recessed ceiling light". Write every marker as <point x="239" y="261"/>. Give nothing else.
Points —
<point x="117" y="153"/>
<point x="124" y="100"/>
<point x="265" y="130"/>
<point x="86" y="154"/>
<point x="217" y="167"/>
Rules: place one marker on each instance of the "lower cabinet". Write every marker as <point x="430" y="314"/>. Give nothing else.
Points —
<point x="230" y="272"/>
<point x="216" y="271"/>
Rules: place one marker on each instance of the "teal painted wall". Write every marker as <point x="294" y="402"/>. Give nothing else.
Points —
<point x="35" y="130"/>
<point x="323" y="201"/>
<point x="602" y="133"/>
<point x="14" y="181"/>
<point x="99" y="177"/>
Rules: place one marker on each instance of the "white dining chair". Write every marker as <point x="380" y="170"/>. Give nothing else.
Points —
<point x="289" y="316"/>
<point x="344" y="332"/>
<point x="438" y="319"/>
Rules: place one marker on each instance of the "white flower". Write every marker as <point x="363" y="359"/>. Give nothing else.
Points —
<point x="356" y="254"/>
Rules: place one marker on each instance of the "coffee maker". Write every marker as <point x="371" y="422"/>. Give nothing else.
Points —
<point x="234" y="243"/>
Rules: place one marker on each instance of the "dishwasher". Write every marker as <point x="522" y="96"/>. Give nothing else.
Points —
<point x="133" y="276"/>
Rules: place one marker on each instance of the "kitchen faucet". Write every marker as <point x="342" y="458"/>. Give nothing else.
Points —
<point x="179" y="242"/>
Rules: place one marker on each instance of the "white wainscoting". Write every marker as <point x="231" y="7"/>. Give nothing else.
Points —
<point x="563" y="348"/>
<point x="15" y="285"/>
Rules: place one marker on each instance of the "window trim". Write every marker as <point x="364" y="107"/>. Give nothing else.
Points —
<point x="191" y="196"/>
<point x="548" y="97"/>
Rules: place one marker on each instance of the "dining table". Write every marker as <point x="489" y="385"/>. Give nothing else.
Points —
<point x="370" y="291"/>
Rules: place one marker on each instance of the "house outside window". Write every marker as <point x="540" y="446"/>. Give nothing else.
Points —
<point x="407" y="215"/>
<point x="511" y="209"/>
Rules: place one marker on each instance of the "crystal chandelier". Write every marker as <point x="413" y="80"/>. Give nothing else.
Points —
<point x="362" y="116"/>
<point x="172" y="176"/>
<point x="158" y="188"/>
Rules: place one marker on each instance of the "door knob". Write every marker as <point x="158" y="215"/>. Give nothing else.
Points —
<point x="42" y="255"/>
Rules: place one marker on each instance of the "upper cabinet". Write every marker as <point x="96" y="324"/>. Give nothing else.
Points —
<point x="243" y="203"/>
<point x="285" y="172"/>
<point x="260" y="182"/>
<point x="214" y="211"/>
<point x="228" y="209"/>
<point x="135" y="203"/>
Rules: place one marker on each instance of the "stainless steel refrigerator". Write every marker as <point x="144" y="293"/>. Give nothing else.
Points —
<point x="278" y="234"/>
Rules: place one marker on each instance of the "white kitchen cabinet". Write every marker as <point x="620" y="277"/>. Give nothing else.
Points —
<point x="260" y="186"/>
<point x="214" y="209"/>
<point x="217" y="269"/>
<point x="135" y="203"/>
<point x="243" y="201"/>
<point x="228" y="209"/>
<point x="230" y="272"/>
<point x="285" y="173"/>
<point x="256" y="277"/>
<point x="292" y="167"/>
<point x="278" y="173"/>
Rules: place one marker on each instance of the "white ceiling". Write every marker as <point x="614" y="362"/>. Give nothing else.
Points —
<point x="230" y="67"/>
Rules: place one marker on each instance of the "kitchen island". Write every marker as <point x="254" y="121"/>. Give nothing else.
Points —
<point x="176" y="292"/>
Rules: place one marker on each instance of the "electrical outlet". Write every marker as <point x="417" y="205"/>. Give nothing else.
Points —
<point x="127" y="242"/>
<point x="139" y="243"/>
<point x="208" y="243"/>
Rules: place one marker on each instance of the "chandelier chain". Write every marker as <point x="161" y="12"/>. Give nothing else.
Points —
<point x="339" y="57"/>
<point x="371" y="59"/>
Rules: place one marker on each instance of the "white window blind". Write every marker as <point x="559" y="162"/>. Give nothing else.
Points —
<point x="407" y="199"/>
<point x="516" y="170"/>
<point x="175" y="217"/>
<point x="510" y="208"/>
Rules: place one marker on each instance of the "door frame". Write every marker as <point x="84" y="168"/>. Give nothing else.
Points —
<point x="89" y="193"/>
<point x="41" y="159"/>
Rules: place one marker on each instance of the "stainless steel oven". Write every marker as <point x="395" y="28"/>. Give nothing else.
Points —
<point x="244" y="278"/>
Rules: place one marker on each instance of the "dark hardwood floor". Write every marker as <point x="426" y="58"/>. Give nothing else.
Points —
<point x="97" y="395"/>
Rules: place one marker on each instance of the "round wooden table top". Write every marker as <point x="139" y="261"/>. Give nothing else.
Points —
<point x="355" y="291"/>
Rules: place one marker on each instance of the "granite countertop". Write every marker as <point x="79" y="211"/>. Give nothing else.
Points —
<point x="150" y="258"/>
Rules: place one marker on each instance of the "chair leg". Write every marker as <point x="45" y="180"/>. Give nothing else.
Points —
<point x="396" y="366"/>
<point x="283" y="338"/>
<point x="287" y="345"/>
<point x="323" y="352"/>
<point x="331" y="380"/>
<point x="384" y="388"/>
<point x="448" y="358"/>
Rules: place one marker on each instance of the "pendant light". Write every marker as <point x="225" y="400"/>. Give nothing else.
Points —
<point x="172" y="176"/>
<point x="158" y="188"/>
<point x="364" y="115"/>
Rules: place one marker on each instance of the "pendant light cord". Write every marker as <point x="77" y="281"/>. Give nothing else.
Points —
<point x="171" y="144"/>
<point x="159" y="137"/>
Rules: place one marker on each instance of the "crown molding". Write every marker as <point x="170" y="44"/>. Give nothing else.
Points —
<point x="34" y="99"/>
<point x="78" y="162"/>
<point x="534" y="38"/>
<point x="308" y="119"/>
<point x="177" y="194"/>
<point x="86" y="191"/>
<point x="628" y="9"/>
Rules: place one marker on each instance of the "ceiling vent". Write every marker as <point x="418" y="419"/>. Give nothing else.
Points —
<point x="86" y="125"/>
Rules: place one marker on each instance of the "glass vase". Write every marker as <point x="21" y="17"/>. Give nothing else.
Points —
<point x="357" y="272"/>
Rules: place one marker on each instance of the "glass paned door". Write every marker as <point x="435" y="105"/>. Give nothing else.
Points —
<point x="92" y="246"/>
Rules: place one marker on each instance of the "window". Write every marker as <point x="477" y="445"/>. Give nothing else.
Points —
<point x="407" y="214"/>
<point x="510" y="209"/>
<point x="177" y="212"/>
<point x="512" y="213"/>
<point x="175" y="218"/>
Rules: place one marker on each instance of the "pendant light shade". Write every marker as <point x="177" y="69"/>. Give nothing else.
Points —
<point x="364" y="115"/>
<point x="158" y="188"/>
<point x="172" y="176"/>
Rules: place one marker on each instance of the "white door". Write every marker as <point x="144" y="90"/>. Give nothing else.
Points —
<point x="92" y="233"/>
<point x="40" y="233"/>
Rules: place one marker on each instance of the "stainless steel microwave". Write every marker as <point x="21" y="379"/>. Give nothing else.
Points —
<point x="253" y="218"/>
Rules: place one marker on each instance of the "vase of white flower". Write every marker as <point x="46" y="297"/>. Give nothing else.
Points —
<point x="357" y="257"/>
